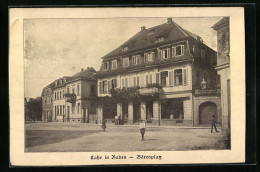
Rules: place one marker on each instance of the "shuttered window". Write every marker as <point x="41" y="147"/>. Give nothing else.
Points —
<point x="126" y="82"/>
<point x="157" y="78"/>
<point x="184" y="76"/>
<point x="109" y="86"/>
<point x="170" y="78"/>
<point x="123" y="83"/>
<point x="134" y="81"/>
<point x="151" y="79"/>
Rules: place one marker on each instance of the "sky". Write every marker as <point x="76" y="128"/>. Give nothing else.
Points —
<point x="54" y="48"/>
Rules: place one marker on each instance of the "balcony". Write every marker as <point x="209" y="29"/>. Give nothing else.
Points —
<point x="70" y="97"/>
<point x="145" y="91"/>
<point x="207" y="92"/>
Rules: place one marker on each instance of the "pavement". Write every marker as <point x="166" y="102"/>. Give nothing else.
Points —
<point x="78" y="137"/>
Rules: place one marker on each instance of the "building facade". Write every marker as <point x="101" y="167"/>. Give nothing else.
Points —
<point x="223" y="69"/>
<point x="156" y="76"/>
<point x="80" y="96"/>
<point x="59" y="100"/>
<point x="47" y="102"/>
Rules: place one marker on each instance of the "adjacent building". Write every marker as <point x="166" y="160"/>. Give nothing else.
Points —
<point x="223" y="68"/>
<point x="160" y="75"/>
<point x="81" y="92"/>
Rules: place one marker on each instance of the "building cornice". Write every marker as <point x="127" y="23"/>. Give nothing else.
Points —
<point x="222" y="66"/>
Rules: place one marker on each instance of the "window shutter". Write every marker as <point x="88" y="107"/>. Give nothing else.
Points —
<point x="184" y="76"/>
<point x="157" y="78"/>
<point x="182" y="49"/>
<point x="123" y="83"/>
<point x="137" y="84"/>
<point x="153" y="56"/>
<point x="126" y="83"/>
<point x="108" y="85"/>
<point x="151" y="79"/>
<point x="134" y="80"/>
<point x="100" y="88"/>
<point x="173" y="51"/>
<point x="159" y="54"/>
<point x="170" y="78"/>
<point x="168" y="52"/>
<point x="146" y="80"/>
<point x="115" y="82"/>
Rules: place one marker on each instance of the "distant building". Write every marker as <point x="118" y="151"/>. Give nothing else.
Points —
<point x="81" y="92"/>
<point x="223" y="68"/>
<point x="168" y="70"/>
<point x="59" y="99"/>
<point x="47" y="102"/>
<point x="71" y="98"/>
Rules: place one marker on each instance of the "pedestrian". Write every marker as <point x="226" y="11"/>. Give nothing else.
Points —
<point x="116" y="120"/>
<point x="213" y="123"/>
<point x="104" y="125"/>
<point x="142" y="128"/>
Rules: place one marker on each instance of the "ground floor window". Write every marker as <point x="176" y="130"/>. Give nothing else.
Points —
<point x="172" y="109"/>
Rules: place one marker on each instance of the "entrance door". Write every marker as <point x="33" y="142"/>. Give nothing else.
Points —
<point x="206" y="110"/>
<point x="137" y="112"/>
<point x="68" y="112"/>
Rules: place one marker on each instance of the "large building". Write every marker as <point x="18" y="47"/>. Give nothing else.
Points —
<point x="164" y="75"/>
<point x="223" y="69"/>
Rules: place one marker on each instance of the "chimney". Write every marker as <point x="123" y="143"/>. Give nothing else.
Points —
<point x="82" y="69"/>
<point x="169" y="20"/>
<point x="142" y="28"/>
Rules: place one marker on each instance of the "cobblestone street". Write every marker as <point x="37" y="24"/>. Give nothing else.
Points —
<point x="78" y="137"/>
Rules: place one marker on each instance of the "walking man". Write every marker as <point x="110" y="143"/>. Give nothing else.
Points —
<point x="142" y="128"/>
<point x="213" y="123"/>
<point x="103" y="126"/>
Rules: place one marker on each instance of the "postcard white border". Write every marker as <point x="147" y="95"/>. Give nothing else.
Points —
<point x="16" y="85"/>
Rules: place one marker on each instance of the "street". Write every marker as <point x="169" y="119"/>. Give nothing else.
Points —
<point x="79" y="137"/>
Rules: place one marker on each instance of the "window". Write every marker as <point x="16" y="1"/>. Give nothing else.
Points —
<point x="149" y="79"/>
<point x="105" y="65"/>
<point x="114" y="84"/>
<point x="125" y="48"/>
<point x="149" y="57"/>
<point x="164" y="54"/>
<point x="177" y="50"/>
<point x="136" y="59"/>
<point x="68" y="89"/>
<point x="73" y="91"/>
<point x="60" y="109"/>
<point x="55" y="96"/>
<point x="78" y="89"/>
<point x="62" y="93"/>
<point x="114" y="64"/>
<point x="105" y="86"/>
<point x="125" y="62"/>
<point x="63" y="109"/>
<point x="180" y="77"/>
<point x="78" y="108"/>
<point x="136" y="81"/>
<point x="164" y="76"/>
<point x="55" y="110"/>
<point x="160" y="39"/>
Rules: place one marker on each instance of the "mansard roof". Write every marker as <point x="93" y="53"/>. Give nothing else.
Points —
<point x="83" y="74"/>
<point x="170" y="32"/>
